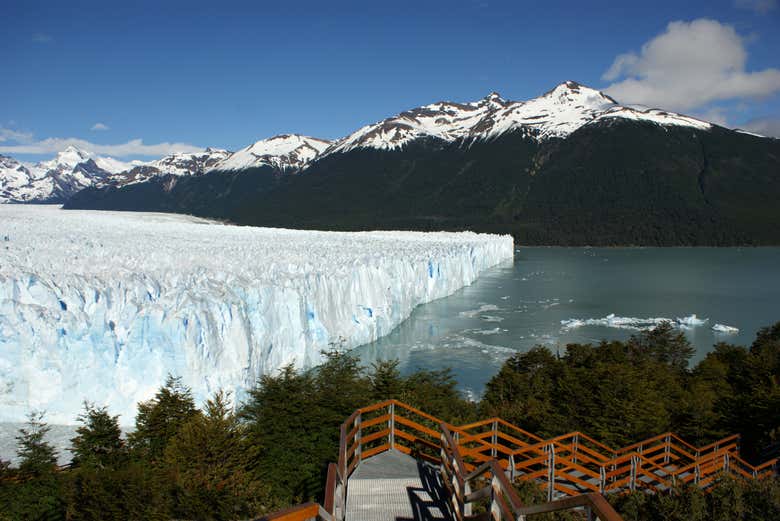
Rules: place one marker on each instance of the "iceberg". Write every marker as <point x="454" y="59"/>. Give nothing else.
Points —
<point x="101" y="306"/>
<point x="632" y="323"/>
<point x="724" y="329"/>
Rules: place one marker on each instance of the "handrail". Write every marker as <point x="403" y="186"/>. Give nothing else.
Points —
<point x="504" y="502"/>
<point x="572" y="464"/>
<point x="304" y="512"/>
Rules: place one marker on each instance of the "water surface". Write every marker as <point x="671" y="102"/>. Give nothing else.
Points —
<point x="518" y="305"/>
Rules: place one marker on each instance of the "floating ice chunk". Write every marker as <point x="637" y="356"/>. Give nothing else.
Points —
<point x="632" y="323"/>
<point x="691" y="321"/>
<point x="726" y="330"/>
<point x="481" y="309"/>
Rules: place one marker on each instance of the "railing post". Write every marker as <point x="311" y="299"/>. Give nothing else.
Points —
<point x="575" y="447"/>
<point x="341" y="476"/>
<point x="725" y="462"/>
<point x="696" y="474"/>
<point x="391" y="425"/>
<point x="494" y="440"/>
<point x="511" y="470"/>
<point x="602" y="479"/>
<point x="495" y="510"/>
<point x="465" y="507"/>
<point x="667" y="448"/>
<point x="632" y="477"/>
<point x="359" y="436"/>
<point x="550" y="472"/>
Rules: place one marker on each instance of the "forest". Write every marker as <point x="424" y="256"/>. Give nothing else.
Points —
<point x="221" y="461"/>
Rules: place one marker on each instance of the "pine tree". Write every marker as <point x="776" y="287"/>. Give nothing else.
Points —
<point x="98" y="441"/>
<point x="38" y="456"/>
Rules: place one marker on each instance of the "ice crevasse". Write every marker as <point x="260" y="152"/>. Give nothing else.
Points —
<point x="101" y="306"/>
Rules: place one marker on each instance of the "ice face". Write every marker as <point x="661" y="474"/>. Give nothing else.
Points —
<point x="103" y="305"/>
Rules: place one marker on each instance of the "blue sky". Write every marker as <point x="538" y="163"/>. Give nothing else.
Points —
<point x="138" y="80"/>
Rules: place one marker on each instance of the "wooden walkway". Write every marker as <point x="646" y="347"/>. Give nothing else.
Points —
<point x="395" y="487"/>
<point x="457" y="470"/>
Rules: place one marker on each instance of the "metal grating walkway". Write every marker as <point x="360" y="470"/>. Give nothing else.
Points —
<point x="395" y="487"/>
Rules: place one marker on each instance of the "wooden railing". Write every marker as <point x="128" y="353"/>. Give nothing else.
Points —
<point x="572" y="466"/>
<point x="494" y="494"/>
<point x="574" y="463"/>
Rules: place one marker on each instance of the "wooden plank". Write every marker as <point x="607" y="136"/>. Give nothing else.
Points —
<point x="566" y="490"/>
<point x="374" y="421"/>
<point x="330" y="489"/>
<point x="375" y="450"/>
<point x="569" y="477"/>
<point x="376" y="406"/>
<point x="418" y="412"/>
<point x="296" y="513"/>
<point x="571" y="465"/>
<point x="375" y="436"/>
<point x="409" y="423"/>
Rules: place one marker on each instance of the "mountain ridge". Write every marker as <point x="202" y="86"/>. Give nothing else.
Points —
<point x="571" y="166"/>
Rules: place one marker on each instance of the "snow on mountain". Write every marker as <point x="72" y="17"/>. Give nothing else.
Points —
<point x="102" y="306"/>
<point x="286" y="152"/>
<point x="182" y="164"/>
<point x="556" y="113"/>
<point x="114" y="166"/>
<point x="54" y="180"/>
<point x="13" y="176"/>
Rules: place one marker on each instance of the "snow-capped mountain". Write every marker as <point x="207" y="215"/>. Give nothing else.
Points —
<point x="286" y="152"/>
<point x="54" y="180"/>
<point x="555" y="114"/>
<point x="181" y="164"/>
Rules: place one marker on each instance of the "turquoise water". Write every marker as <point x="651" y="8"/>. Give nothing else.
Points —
<point x="518" y="305"/>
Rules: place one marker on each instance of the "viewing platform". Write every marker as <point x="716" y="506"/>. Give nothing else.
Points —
<point x="397" y="463"/>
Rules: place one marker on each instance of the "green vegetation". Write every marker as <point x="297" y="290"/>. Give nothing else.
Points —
<point x="621" y="392"/>
<point x="225" y="462"/>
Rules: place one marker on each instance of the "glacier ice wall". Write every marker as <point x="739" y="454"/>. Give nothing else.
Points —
<point x="103" y="305"/>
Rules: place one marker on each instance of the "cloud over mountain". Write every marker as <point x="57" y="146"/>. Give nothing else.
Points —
<point x="687" y="67"/>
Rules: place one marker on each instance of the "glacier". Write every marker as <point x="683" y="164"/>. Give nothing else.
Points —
<point x="102" y="306"/>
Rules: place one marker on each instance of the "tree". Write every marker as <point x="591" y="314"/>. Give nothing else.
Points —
<point x="284" y="433"/>
<point x="665" y="344"/>
<point x="98" y="440"/>
<point x="208" y="458"/>
<point x="160" y="418"/>
<point x="38" y="456"/>
<point x="386" y="380"/>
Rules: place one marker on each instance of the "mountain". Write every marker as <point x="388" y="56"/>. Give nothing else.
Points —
<point x="180" y="164"/>
<point x="555" y="114"/>
<point x="572" y="166"/>
<point x="55" y="180"/>
<point x="285" y="153"/>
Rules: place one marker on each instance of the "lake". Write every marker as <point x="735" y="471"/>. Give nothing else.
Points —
<point x="555" y="296"/>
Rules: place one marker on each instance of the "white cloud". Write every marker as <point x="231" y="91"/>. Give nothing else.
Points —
<point x="688" y="66"/>
<point x="757" y="6"/>
<point x="764" y="126"/>
<point x="99" y="126"/>
<point x="14" y="142"/>
<point x="42" y="38"/>
<point x="7" y="134"/>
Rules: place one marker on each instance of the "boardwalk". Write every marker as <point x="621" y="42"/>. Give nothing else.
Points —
<point x="395" y="487"/>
